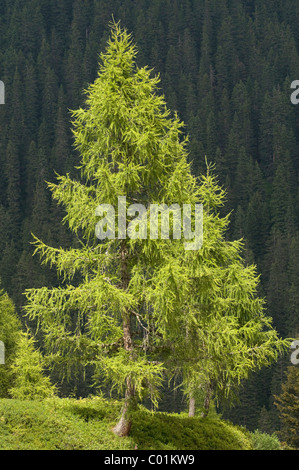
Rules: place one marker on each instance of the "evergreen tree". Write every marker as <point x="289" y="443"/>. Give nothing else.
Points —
<point x="14" y="197"/>
<point x="292" y="322"/>
<point x="130" y="144"/>
<point x="288" y="406"/>
<point x="49" y="105"/>
<point x="224" y="119"/>
<point x="31" y="160"/>
<point x="31" y="105"/>
<point x="206" y="38"/>
<point x="32" y="27"/>
<point x="226" y="57"/>
<point x="282" y="202"/>
<point x="61" y="154"/>
<point x="256" y="225"/>
<point x="10" y="330"/>
<point x="9" y="261"/>
<point x="30" y="382"/>
<point x="277" y="285"/>
<point x="243" y="181"/>
<point x="136" y="296"/>
<point x="231" y="336"/>
<point x="16" y="117"/>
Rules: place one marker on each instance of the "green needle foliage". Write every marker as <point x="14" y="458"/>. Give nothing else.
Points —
<point x="130" y="146"/>
<point x="133" y="307"/>
<point x="287" y="405"/>
<point x="212" y="315"/>
<point x="10" y="330"/>
<point x="30" y="381"/>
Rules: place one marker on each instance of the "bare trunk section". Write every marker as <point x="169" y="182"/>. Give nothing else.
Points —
<point x="191" y="406"/>
<point x="123" y="426"/>
<point x="207" y="401"/>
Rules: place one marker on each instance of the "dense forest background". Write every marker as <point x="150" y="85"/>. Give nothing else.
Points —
<point x="226" y="67"/>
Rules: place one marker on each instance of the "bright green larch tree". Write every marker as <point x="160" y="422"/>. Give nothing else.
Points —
<point x="30" y="380"/>
<point x="130" y="147"/>
<point x="132" y="302"/>
<point x="10" y="331"/>
<point x="224" y="334"/>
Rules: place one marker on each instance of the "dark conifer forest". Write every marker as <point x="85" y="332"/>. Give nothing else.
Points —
<point x="226" y="67"/>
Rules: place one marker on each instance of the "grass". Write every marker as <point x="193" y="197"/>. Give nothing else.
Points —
<point x="86" y="424"/>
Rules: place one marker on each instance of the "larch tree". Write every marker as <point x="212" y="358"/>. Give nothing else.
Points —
<point x="27" y="369"/>
<point x="224" y="333"/>
<point x="134" y="300"/>
<point x="10" y="331"/>
<point x="102" y="313"/>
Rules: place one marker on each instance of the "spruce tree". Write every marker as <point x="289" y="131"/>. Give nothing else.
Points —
<point x="13" y="173"/>
<point x="293" y="287"/>
<point x="287" y="404"/>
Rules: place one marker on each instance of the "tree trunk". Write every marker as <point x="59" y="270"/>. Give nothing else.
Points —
<point x="123" y="426"/>
<point x="191" y="406"/>
<point x="207" y="401"/>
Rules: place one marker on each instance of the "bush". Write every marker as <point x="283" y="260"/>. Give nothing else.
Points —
<point x="10" y="328"/>
<point x="59" y="424"/>
<point x="263" y="441"/>
<point x="86" y="424"/>
<point x="163" y="431"/>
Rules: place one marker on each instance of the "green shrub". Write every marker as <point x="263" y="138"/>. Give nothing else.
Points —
<point x="86" y="424"/>
<point x="264" y="441"/>
<point x="162" y="431"/>
<point x="59" y="424"/>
